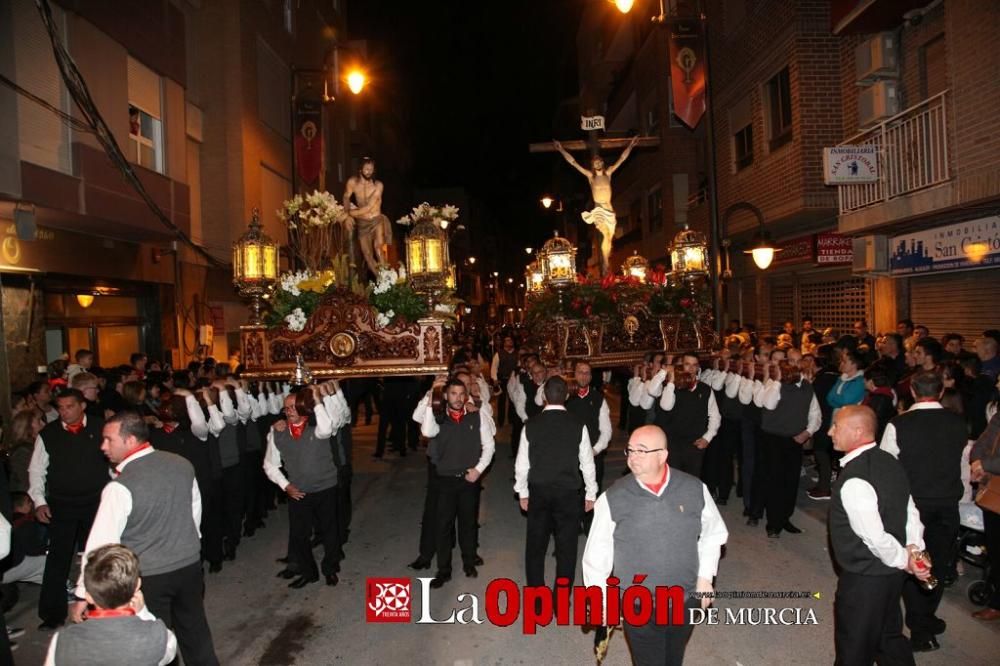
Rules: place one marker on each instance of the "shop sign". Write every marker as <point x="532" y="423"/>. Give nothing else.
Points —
<point x="833" y="248"/>
<point x="795" y="251"/>
<point x="846" y="165"/>
<point x="961" y="246"/>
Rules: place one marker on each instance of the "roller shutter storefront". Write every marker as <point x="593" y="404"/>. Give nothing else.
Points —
<point x="963" y="302"/>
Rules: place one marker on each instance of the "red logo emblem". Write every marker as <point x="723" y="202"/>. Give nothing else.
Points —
<point x="387" y="600"/>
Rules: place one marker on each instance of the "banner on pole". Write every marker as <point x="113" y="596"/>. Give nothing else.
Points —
<point x="308" y="141"/>
<point x="688" y="70"/>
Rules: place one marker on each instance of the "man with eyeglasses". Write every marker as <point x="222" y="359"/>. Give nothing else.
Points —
<point x="660" y="523"/>
<point x="554" y="452"/>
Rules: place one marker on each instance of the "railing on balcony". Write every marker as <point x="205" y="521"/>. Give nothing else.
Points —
<point x="913" y="154"/>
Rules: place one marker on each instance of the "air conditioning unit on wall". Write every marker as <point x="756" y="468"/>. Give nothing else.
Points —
<point x="877" y="102"/>
<point x="871" y="254"/>
<point x="876" y="59"/>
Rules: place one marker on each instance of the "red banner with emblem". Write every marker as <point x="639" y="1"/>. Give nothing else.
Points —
<point x="688" y="70"/>
<point x="308" y="141"/>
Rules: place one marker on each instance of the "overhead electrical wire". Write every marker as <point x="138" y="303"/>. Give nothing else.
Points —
<point x="78" y="90"/>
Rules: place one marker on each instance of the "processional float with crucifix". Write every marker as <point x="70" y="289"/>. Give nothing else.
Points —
<point x="602" y="216"/>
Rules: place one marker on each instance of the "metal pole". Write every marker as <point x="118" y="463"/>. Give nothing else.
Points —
<point x="713" y="198"/>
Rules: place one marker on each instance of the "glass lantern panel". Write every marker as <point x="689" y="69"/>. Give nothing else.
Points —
<point x="251" y="262"/>
<point x="638" y="272"/>
<point x="694" y="259"/>
<point x="560" y="267"/>
<point x="414" y="250"/>
<point x="270" y="262"/>
<point x="435" y="255"/>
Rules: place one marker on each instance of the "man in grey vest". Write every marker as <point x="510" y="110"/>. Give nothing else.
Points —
<point x="662" y="523"/>
<point x="153" y="507"/>
<point x="554" y="452"/>
<point x="871" y="516"/>
<point x="311" y="484"/>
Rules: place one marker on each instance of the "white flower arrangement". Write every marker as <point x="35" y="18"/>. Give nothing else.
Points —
<point x="318" y="209"/>
<point x="383" y="319"/>
<point x="444" y="308"/>
<point x="387" y="277"/>
<point x="290" y="281"/>
<point x="425" y="211"/>
<point x="296" y="321"/>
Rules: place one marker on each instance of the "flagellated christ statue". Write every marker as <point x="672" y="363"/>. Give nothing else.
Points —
<point x="603" y="214"/>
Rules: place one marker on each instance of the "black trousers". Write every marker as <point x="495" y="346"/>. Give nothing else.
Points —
<point x="6" y="658"/>
<point x="68" y="532"/>
<point x="823" y="450"/>
<point x="253" y="484"/>
<point x="457" y="499"/>
<point x="232" y="502"/>
<point x="551" y="511"/>
<point x="211" y="521"/>
<point x="991" y="522"/>
<point x="316" y="511"/>
<point x="504" y="406"/>
<point x="781" y="469"/>
<point x="428" y="521"/>
<point x="392" y="423"/>
<point x="176" y="598"/>
<point x="516" y="426"/>
<point x="868" y="623"/>
<point x="588" y="516"/>
<point x="345" y="474"/>
<point x="686" y="457"/>
<point x="719" y="458"/>
<point x="941" y="522"/>
<point x="660" y="645"/>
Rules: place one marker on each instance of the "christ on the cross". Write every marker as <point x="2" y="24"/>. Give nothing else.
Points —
<point x="603" y="214"/>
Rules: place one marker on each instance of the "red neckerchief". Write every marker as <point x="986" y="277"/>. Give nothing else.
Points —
<point x="131" y="454"/>
<point x="297" y="429"/>
<point x="75" y="428"/>
<point x="456" y="416"/>
<point x="663" y="480"/>
<point x="925" y="400"/>
<point x="104" y="613"/>
<point x="169" y="427"/>
<point x="583" y="393"/>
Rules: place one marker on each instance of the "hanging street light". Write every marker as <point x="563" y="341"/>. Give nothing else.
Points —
<point x="547" y="202"/>
<point x="763" y="249"/>
<point x="624" y="6"/>
<point x="689" y="254"/>
<point x="636" y="267"/>
<point x="356" y="81"/>
<point x="255" y="265"/>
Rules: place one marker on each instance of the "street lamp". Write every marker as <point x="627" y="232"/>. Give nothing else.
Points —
<point x="529" y="250"/>
<point x="472" y="261"/>
<point x="547" y="202"/>
<point x="255" y="265"/>
<point x="624" y="6"/>
<point x="356" y="81"/>
<point x="763" y="249"/>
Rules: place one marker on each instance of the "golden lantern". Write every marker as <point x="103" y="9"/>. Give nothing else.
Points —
<point x="689" y="254"/>
<point x="557" y="259"/>
<point x="636" y="267"/>
<point x="534" y="279"/>
<point x="255" y="265"/>
<point x="427" y="258"/>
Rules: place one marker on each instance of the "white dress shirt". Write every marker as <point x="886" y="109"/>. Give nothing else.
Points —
<point x="272" y="457"/>
<point x="522" y="466"/>
<point x="861" y="504"/>
<point x="201" y="428"/>
<point x="112" y="514"/>
<point x="668" y="398"/>
<point x="520" y="399"/>
<point x="889" y="443"/>
<point x="770" y="396"/>
<point x="604" y="428"/>
<point x="38" y="469"/>
<point x="636" y="389"/>
<point x="430" y="428"/>
<point x="599" y="553"/>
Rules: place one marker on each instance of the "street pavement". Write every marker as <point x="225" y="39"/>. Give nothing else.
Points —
<point x="256" y="619"/>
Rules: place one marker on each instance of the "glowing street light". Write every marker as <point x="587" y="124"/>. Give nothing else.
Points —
<point x="547" y="202"/>
<point x="624" y="6"/>
<point x="356" y="81"/>
<point x="472" y="260"/>
<point x="529" y="250"/>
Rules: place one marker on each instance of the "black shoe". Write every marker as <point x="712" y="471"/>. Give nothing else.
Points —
<point x="302" y="581"/>
<point x="287" y="574"/>
<point x="419" y="564"/>
<point x="249" y="530"/>
<point x="791" y="529"/>
<point x="753" y="522"/>
<point x="938" y="626"/>
<point x="925" y="645"/>
<point x="440" y="579"/>
<point x="331" y="579"/>
<point x="49" y="626"/>
<point x="470" y="572"/>
<point x="773" y="534"/>
<point x="214" y="567"/>
<point x="478" y="561"/>
<point x="229" y="551"/>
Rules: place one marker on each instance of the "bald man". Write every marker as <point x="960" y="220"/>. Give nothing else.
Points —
<point x="871" y="516"/>
<point x="662" y="523"/>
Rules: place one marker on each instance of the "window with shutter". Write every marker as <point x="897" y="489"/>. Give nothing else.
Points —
<point x="44" y="137"/>
<point x="145" y="113"/>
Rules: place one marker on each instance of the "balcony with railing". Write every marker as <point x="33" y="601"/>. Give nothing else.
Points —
<point x="913" y="157"/>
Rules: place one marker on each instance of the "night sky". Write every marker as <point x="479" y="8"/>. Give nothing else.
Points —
<point x="482" y="79"/>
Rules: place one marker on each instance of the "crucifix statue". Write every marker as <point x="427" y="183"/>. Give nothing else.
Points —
<point x="602" y="217"/>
